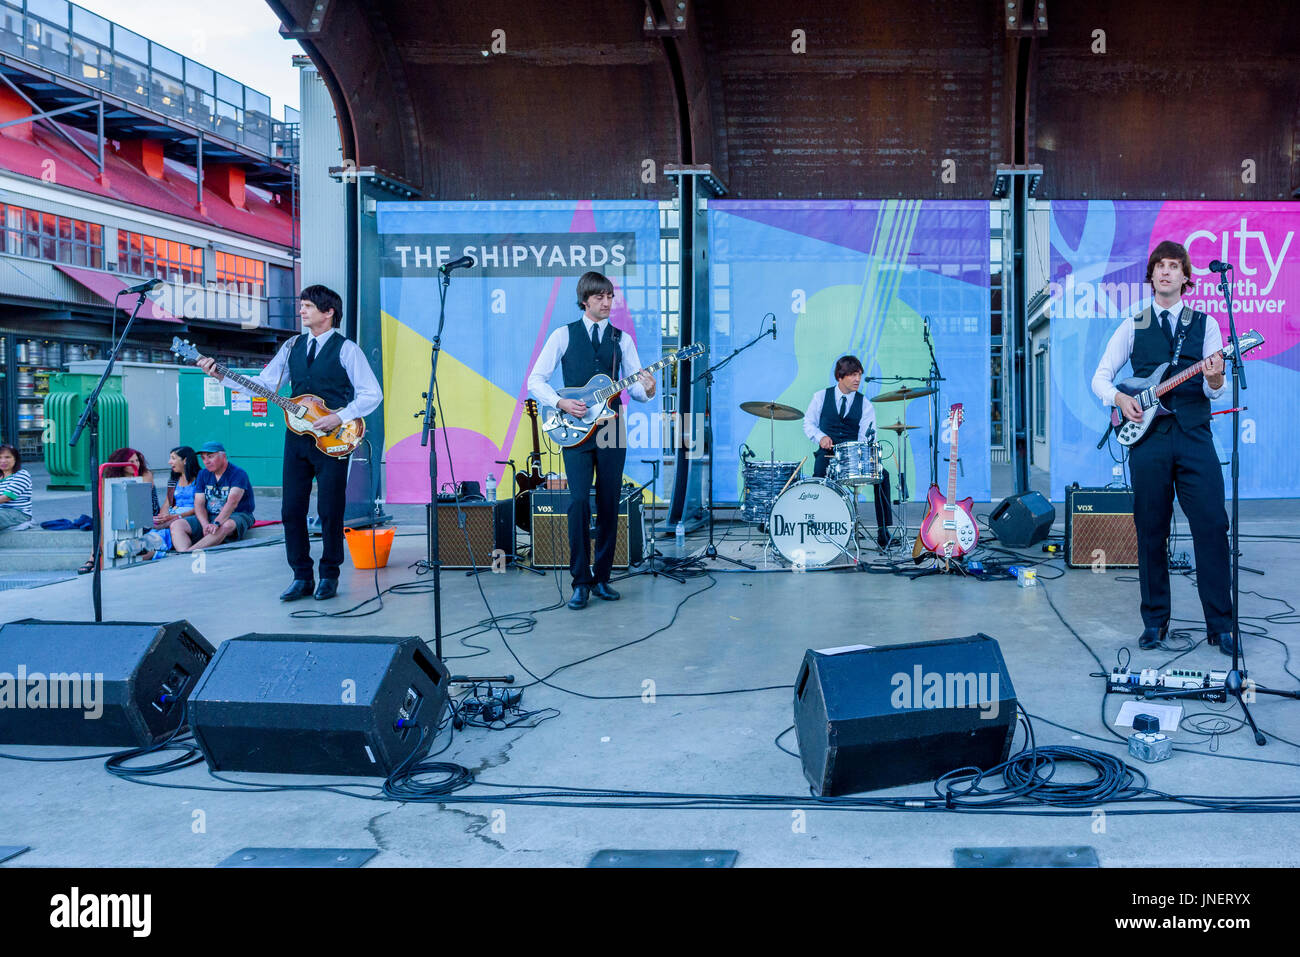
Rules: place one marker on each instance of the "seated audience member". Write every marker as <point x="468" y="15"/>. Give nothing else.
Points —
<point x="15" y="491"/>
<point x="223" y="503"/>
<point x="184" y="462"/>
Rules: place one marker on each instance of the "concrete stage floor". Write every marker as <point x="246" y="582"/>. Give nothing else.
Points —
<point x="746" y="630"/>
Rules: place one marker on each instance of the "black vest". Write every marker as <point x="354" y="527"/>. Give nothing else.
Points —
<point x="1151" y="347"/>
<point x="326" y="378"/>
<point x="845" y="429"/>
<point x="580" y="362"/>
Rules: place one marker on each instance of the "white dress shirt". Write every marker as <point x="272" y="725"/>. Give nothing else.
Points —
<point x="368" y="394"/>
<point x="812" y="418"/>
<point x="1120" y="348"/>
<point x="539" y="380"/>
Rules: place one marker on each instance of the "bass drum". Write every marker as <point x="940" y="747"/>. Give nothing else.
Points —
<point x="812" y="522"/>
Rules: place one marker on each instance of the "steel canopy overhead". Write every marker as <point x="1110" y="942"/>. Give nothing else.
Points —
<point x="821" y="99"/>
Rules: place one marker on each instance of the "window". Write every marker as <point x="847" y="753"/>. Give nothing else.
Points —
<point x="167" y="259"/>
<point x="239" y="273"/>
<point x="37" y="235"/>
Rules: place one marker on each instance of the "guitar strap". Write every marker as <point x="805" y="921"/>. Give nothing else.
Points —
<point x="618" y="352"/>
<point x="1182" y="333"/>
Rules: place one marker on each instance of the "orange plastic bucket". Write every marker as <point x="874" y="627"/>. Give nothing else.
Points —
<point x="369" y="547"/>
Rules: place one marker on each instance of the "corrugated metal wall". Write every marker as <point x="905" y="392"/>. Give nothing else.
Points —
<point x="323" y="225"/>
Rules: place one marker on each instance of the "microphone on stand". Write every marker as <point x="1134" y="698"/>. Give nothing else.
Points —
<point x="464" y="262"/>
<point x="1217" y="266"/>
<point x="925" y="327"/>
<point x="147" y="286"/>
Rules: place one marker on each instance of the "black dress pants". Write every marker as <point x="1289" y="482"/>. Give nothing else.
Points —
<point x="1170" y="460"/>
<point x="605" y="464"/>
<point x="303" y="462"/>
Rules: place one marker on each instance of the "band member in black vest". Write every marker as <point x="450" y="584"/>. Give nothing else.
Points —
<point x="1177" y="454"/>
<point x="586" y="347"/>
<point x="843" y="414"/>
<point x="323" y="363"/>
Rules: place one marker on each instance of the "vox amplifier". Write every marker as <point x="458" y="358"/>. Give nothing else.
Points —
<point x="1099" y="527"/>
<point x="551" y="529"/>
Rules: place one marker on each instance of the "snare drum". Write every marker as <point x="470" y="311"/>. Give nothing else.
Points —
<point x="856" y="463"/>
<point x="812" y="522"/>
<point x="763" y="482"/>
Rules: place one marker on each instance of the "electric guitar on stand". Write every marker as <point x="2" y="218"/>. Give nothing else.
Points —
<point x="300" y="411"/>
<point x="570" y="430"/>
<point x="949" y="529"/>
<point x="526" y="481"/>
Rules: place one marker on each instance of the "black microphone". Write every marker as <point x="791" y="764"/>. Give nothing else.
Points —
<point x="464" y="262"/>
<point x="147" y="286"/>
<point x="925" y="320"/>
<point x="774" y="328"/>
<point x="1217" y="266"/>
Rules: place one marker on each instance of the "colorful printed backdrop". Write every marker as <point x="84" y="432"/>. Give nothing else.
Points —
<point x="1099" y="251"/>
<point x="851" y="277"/>
<point x="528" y="256"/>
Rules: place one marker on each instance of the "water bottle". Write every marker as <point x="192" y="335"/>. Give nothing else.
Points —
<point x="681" y="538"/>
<point x="490" y="487"/>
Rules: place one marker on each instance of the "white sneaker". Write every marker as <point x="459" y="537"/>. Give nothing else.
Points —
<point x="19" y="528"/>
<point x="153" y="541"/>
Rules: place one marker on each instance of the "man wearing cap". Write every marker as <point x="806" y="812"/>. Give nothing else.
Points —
<point x="223" y="503"/>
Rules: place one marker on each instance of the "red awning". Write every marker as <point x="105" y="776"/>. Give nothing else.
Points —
<point x="106" y="286"/>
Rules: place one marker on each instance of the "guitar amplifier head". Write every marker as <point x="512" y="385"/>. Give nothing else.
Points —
<point x="551" y="530"/>
<point x="1099" y="528"/>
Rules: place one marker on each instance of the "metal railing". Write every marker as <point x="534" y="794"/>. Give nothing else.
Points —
<point x="73" y="42"/>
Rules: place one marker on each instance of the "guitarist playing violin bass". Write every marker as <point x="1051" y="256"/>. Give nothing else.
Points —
<point x="1177" y="454"/>
<point x="322" y="363"/>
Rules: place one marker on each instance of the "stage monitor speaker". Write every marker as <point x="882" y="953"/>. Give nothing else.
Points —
<point x="470" y="532"/>
<point x="305" y="704"/>
<point x="97" y="684"/>
<point x="871" y="718"/>
<point x="1099" y="527"/>
<point x="551" y="529"/>
<point x="1022" y="520"/>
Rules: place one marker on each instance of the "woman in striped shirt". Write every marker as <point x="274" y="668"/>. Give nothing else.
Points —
<point x="15" y="491"/>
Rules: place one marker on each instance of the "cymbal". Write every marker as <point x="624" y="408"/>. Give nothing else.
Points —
<point x="771" y="410"/>
<point x="902" y="394"/>
<point x="896" y="427"/>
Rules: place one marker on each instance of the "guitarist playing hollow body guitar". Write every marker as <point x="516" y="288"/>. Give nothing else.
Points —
<point x="1177" y="453"/>
<point x="583" y="349"/>
<point x="320" y="363"/>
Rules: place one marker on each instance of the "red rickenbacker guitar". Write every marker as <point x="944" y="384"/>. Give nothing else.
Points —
<point x="525" y="482"/>
<point x="949" y="529"/>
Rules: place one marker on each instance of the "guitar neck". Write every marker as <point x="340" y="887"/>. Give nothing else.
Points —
<point x="255" y="387"/>
<point x="621" y="384"/>
<point x="952" y="466"/>
<point x="1175" y="381"/>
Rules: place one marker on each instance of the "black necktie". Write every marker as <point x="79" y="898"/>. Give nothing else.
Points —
<point x="311" y="353"/>
<point x="1164" y="324"/>
<point x="595" y="338"/>
<point x="844" y="405"/>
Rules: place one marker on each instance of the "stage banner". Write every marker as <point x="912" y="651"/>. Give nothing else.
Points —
<point x="1099" y="253"/>
<point x="528" y="258"/>
<point x="857" y="278"/>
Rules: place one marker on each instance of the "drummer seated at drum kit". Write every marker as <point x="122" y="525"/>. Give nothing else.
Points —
<point x="840" y="415"/>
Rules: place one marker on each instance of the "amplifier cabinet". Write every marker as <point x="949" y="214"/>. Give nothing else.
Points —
<point x="551" y="529"/>
<point x="468" y="533"/>
<point x="1099" y="527"/>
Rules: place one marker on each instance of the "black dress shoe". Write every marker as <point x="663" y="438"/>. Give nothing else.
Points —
<point x="300" y="588"/>
<point x="328" y="588"/>
<point x="1151" y="637"/>
<point x="580" y="595"/>
<point x="1225" y="640"/>
<point x="602" y="590"/>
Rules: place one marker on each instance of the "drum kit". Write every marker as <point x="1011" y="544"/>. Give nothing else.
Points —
<point x="812" y="521"/>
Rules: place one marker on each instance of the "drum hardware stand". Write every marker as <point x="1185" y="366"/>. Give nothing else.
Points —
<point x="711" y="550"/>
<point x="654" y="550"/>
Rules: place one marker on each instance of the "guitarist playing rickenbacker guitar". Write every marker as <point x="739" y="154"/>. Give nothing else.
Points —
<point x="1177" y="453"/>
<point x="324" y="366"/>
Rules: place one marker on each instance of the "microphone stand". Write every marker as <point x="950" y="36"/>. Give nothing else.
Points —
<point x="90" y="418"/>
<point x="654" y="549"/>
<point x="711" y="551"/>
<point x="933" y="380"/>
